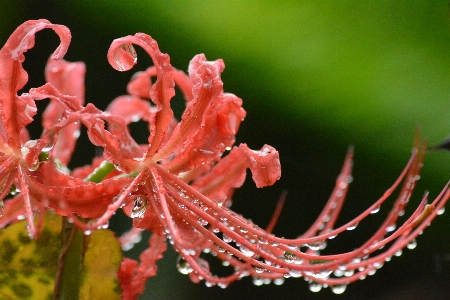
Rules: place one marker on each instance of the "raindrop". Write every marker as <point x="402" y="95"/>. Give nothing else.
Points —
<point x="352" y="227"/>
<point x="278" y="281"/>
<point x="295" y="273"/>
<point x="375" y="210"/>
<point x="258" y="281"/>
<point x="222" y="285"/>
<point x="316" y="245"/>
<point x="104" y="226"/>
<point x="2" y="208"/>
<point x="246" y="251"/>
<point x="390" y="228"/>
<point x="289" y="257"/>
<point x="412" y="244"/>
<point x="441" y="211"/>
<point x="315" y="287"/>
<point x="398" y="253"/>
<point x="348" y="273"/>
<point x="262" y="240"/>
<point x="183" y="267"/>
<point x="226" y="238"/>
<point x="209" y="283"/>
<point x="87" y="232"/>
<point x="125" y="57"/>
<point x="140" y="205"/>
<point x="372" y="272"/>
<point x="259" y="270"/>
<point x="202" y="222"/>
<point x="339" y="288"/>
<point x="325" y="273"/>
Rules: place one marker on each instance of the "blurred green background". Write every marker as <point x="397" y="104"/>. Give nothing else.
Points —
<point x="315" y="77"/>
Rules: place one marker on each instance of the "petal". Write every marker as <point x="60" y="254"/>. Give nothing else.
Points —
<point x="264" y="164"/>
<point x="119" y="56"/>
<point x="68" y="78"/>
<point x="132" y="276"/>
<point x="229" y="173"/>
<point x="209" y="123"/>
<point x="66" y="194"/>
<point x="16" y="114"/>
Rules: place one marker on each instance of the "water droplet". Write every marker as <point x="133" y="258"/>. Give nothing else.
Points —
<point x="278" y="281"/>
<point x="295" y="273"/>
<point x="104" y="226"/>
<point x="258" y="281"/>
<point x="226" y="238"/>
<point x="375" y="210"/>
<point x="125" y="57"/>
<point x="398" y="253"/>
<point x="348" y="273"/>
<point x="352" y="227"/>
<point x="259" y="270"/>
<point x="222" y="285"/>
<point x="412" y="244"/>
<point x="315" y="287"/>
<point x="441" y="211"/>
<point x="289" y="257"/>
<point x="316" y="245"/>
<point x="390" y="228"/>
<point x="246" y="251"/>
<point x="87" y="232"/>
<point x="339" y="288"/>
<point x="209" y="283"/>
<point x="202" y="222"/>
<point x="140" y="205"/>
<point x="183" y="267"/>
<point x="2" y="208"/>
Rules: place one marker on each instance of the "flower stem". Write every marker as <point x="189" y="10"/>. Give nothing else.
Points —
<point x="73" y="241"/>
<point x="68" y="274"/>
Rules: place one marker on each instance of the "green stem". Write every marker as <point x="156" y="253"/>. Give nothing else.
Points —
<point x="101" y="172"/>
<point x="68" y="276"/>
<point x="73" y="241"/>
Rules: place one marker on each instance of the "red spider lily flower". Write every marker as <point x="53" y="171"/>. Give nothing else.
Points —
<point x="24" y="163"/>
<point x="184" y="186"/>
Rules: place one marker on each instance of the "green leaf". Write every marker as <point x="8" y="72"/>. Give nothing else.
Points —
<point x="28" y="267"/>
<point x="101" y="264"/>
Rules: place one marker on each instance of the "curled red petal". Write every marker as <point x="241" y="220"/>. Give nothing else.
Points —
<point x="264" y="164"/>
<point x="14" y="113"/>
<point x="162" y="91"/>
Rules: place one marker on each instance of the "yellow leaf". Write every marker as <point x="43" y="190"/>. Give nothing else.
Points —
<point x="27" y="266"/>
<point x="101" y="264"/>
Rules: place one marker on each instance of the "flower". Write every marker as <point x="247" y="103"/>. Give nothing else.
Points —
<point x="180" y="184"/>
<point x="30" y="167"/>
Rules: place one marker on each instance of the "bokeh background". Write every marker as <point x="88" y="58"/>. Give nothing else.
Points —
<point x="315" y="77"/>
